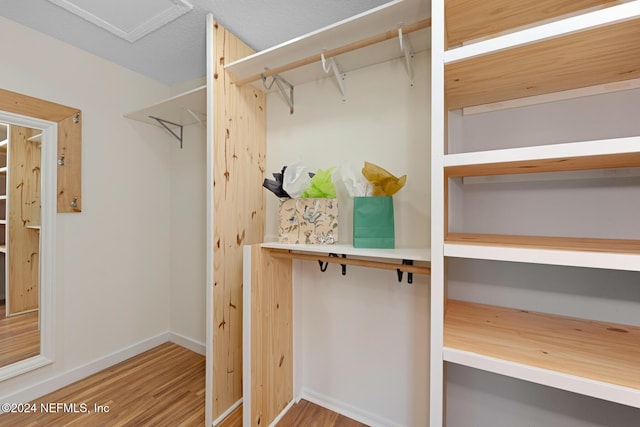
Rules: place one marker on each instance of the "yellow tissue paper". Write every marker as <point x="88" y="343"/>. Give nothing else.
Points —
<point x="384" y="183"/>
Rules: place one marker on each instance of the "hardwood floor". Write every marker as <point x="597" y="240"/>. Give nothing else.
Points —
<point x="19" y="336"/>
<point x="161" y="387"/>
<point x="308" y="414"/>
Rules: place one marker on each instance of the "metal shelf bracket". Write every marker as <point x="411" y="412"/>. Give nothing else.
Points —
<point x="406" y="49"/>
<point x="166" y="123"/>
<point x="281" y="85"/>
<point x="330" y="65"/>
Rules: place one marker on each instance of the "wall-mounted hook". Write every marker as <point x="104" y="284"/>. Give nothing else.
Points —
<point x="74" y="202"/>
<point x="76" y="118"/>
<point x="61" y="160"/>
<point x="344" y="266"/>
<point x="409" y="275"/>
<point x="405" y="48"/>
<point x="281" y="83"/>
<point x="323" y="266"/>
<point x="330" y="65"/>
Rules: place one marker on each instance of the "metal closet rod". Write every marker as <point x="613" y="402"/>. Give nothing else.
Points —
<point x="416" y="26"/>
<point x="279" y="253"/>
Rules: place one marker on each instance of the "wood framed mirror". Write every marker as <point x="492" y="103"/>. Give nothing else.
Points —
<point x="39" y="176"/>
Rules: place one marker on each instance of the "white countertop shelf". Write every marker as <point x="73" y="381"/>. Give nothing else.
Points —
<point x="412" y="254"/>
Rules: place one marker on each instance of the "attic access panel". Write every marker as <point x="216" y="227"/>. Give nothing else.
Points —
<point x="126" y="19"/>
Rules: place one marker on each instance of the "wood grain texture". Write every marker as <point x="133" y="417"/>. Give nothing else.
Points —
<point x="34" y="107"/>
<point x="588" y="58"/>
<point x="271" y="336"/>
<point x="19" y="336"/>
<point x="70" y="174"/>
<point x="238" y="211"/>
<point x="305" y="413"/>
<point x="564" y="164"/>
<point x="161" y="387"/>
<point x="23" y="247"/>
<point x="547" y="242"/>
<point x="472" y="19"/>
<point x="600" y="351"/>
<point x="234" y="419"/>
<point x="69" y="141"/>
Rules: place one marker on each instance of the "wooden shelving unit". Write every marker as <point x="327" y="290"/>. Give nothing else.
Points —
<point x="601" y="357"/>
<point x="499" y="52"/>
<point x="551" y="59"/>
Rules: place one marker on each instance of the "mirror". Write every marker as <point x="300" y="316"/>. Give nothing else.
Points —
<point x="28" y="150"/>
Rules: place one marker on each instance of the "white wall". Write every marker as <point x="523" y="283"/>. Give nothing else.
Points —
<point x="592" y="204"/>
<point x="113" y="259"/>
<point x="188" y="237"/>
<point x="362" y="339"/>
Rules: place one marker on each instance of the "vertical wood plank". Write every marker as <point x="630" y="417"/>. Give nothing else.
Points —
<point x="238" y="211"/>
<point x="69" y="141"/>
<point x="271" y="336"/>
<point x="70" y="174"/>
<point x="24" y="243"/>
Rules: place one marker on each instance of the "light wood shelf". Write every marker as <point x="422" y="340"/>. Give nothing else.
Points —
<point x="298" y="60"/>
<point x="3" y="249"/>
<point x="3" y="145"/>
<point x="604" y="358"/>
<point x="542" y="64"/>
<point x="3" y="170"/>
<point x="570" y="251"/>
<point x="542" y="242"/>
<point x="476" y="19"/>
<point x="596" y="154"/>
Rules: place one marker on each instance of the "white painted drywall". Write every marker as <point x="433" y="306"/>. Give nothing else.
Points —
<point x="113" y="259"/>
<point x="188" y="237"/>
<point x="362" y="339"/>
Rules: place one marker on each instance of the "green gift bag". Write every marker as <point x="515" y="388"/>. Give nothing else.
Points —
<point x="373" y="224"/>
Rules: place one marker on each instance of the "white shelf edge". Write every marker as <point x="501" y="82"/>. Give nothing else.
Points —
<point x="35" y="138"/>
<point x="585" y="386"/>
<point x="542" y="152"/>
<point x="570" y="258"/>
<point x="374" y="21"/>
<point x="553" y="97"/>
<point x="174" y="110"/>
<point x="610" y="15"/>
<point x="414" y="254"/>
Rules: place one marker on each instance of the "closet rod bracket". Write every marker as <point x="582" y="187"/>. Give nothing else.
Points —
<point x="407" y="50"/>
<point x="166" y="123"/>
<point x="329" y="65"/>
<point x="281" y="83"/>
<point x="409" y="275"/>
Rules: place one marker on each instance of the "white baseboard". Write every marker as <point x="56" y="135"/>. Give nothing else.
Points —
<point x="226" y="413"/>
<point x="61" y="380"/>
<point x="188" y="343"/>
<point x="342" y="408"/>
<point x="282" y="413"/>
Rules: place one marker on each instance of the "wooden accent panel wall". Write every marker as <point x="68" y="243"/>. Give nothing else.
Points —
<point x="24" y="211"/>
<point x="238" y="211"/>
<point x="69" y="142"/>
<point x="271" y="336"/>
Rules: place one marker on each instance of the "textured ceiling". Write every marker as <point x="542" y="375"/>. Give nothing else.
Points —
<point x="175" y="53"/>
